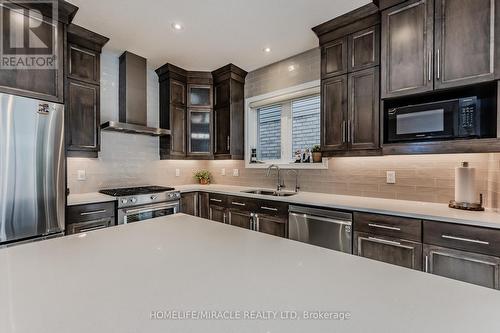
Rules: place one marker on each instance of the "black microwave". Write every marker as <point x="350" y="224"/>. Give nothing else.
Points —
<point x="444" y="120"/>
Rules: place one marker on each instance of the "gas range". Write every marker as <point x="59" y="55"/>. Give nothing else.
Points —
<point x="145" y="202"/>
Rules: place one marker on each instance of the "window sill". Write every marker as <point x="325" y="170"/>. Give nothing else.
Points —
<point x="296" y="166"/>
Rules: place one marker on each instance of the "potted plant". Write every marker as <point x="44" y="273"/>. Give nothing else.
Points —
<point x="203" y="176"/>
<point x="316" y="153"/>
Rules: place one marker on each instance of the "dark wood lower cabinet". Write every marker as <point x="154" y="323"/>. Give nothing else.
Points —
<point x="203" y="204"/>
<point x="390" y="250"/>
<point x="276" y="226"/>
<point x="189" y="203"/>
<point x="240" y="218"/>
<point x="465" y="266"/>
<point x="218" y="213"/>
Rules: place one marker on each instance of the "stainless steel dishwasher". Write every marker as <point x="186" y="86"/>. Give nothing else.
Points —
<point x="321" y="227"/>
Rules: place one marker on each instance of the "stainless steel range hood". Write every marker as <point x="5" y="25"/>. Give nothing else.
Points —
<point x="132" y="99"/>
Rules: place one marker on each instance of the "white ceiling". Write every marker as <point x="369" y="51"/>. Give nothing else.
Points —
<point x="216" y="32"/>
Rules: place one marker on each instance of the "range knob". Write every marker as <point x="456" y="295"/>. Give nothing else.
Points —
<point x="133" y="200"/>
<point x="124" y="201"/>
<point x="154" y="197"/>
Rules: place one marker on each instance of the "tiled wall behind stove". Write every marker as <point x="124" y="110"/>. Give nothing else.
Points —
<point x="125" y="159"/>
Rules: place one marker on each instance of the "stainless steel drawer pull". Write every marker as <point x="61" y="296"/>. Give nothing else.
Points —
<point x="216" y="200"/>
<point x="238" y="203"/>
<point x="374" y="225"/>
<point x="385" y="241"/>
<point x="269" y="208"/>
<point x="475" y="241"/>
<point x="94" y="212"/>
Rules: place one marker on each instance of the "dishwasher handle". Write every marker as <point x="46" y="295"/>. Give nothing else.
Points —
<point x="320" y="218"/>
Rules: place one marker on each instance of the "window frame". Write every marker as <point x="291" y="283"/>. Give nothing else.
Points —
<point x="285" y="97"/>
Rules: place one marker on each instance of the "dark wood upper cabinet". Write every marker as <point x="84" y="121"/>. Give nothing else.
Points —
<point x="46" y="83"/>
<point x="364" y="101"/>
<point x="173" y="111"/>
<point x="334" y="114"/>
<point x="465" y="42"/>
<point x="350" y="88"/>
<point x="364" y="49"/>
<point x="84" y="64"/>
<point x="334" y="58"/>
<point x="83" y="119"/>
<point x="83" y="97"/>
<point x="407" y="48"/>
<point x="229" y="112"/>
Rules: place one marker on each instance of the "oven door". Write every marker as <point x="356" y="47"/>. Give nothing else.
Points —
<point x="422" y="122"/>
<point x="141" y="213"/>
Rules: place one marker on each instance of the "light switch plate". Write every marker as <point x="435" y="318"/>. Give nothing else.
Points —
<point x="236" y="173"/>
<point x="177" y="172"/>
<point x="391" y="177"/>
<point x="81" y="175"/>
<point x="223" y="172"/>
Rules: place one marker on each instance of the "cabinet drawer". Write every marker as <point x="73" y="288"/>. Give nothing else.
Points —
<point x="218" y="199"/>
<point x="90" y="212"/>
<point x="392" y="226"/>
<point x="241" y="203"/>
<point x="272" y="208"/>
<point x="462" y="237"/>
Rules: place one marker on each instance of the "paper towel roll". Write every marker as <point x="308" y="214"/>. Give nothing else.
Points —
<point x="465" y="184"/>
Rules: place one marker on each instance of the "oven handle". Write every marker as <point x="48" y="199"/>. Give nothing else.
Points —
<point x="150" y="208"/>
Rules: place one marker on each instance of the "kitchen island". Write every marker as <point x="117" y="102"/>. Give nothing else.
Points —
<point x="150" y="276"/>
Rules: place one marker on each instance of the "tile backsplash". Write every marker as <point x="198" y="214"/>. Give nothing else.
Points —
<point x="427" y="178"/>
<point x="127" y="160"/>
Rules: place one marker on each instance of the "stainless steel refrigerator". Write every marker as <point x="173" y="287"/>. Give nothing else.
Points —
<point x="32" y="169"/>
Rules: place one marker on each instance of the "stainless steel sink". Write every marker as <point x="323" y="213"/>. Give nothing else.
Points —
<point x="271" y="193"/>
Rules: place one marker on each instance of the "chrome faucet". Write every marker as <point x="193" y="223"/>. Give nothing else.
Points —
<point x="297" y="186"/>
<point x="280" y="183"/>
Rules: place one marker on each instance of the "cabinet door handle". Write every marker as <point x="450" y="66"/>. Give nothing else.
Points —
<point x="343" y="131"/>
<point x="385" y="241"/>
<point x="228" y="143"/>
<point x="374" y="225"/>
<point x="216" y="200"/>
<point x="224" y="218"/>
<point x="251" y="221"/>
<point x="426" y="266"/>
<point x="438" y="65"/>
<point x="257" y="222"/>
<point x="94" y="212"/>
<point x="237" y="203"/>
<point x="269" y="208"/>
<point x="349" y="131"/>
<point x="475" y="241"/>
<point x="429" y="65"/>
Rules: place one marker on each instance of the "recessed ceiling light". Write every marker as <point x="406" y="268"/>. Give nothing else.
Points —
<point x="267" y="49"/>
<point x="177" y="26"/>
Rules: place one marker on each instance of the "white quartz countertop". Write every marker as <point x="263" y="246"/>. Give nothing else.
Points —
<point x="415" y="209"/>
<point x="112" y="280"/>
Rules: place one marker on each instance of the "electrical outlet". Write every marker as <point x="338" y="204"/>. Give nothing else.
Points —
<point x="223" y="172"/>
<point x="177" y="172"/>
<point x="236" y="173"/>
<point x="81" y="175"/>
<point x="391" y="177"/>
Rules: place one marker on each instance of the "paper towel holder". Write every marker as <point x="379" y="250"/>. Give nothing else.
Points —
<point x="478" y="207"/>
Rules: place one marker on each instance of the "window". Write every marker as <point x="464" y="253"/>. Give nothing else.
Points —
<point x="305" y="127"/>
<point x="269" y="133"/>
<point x="284" y="127"/>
